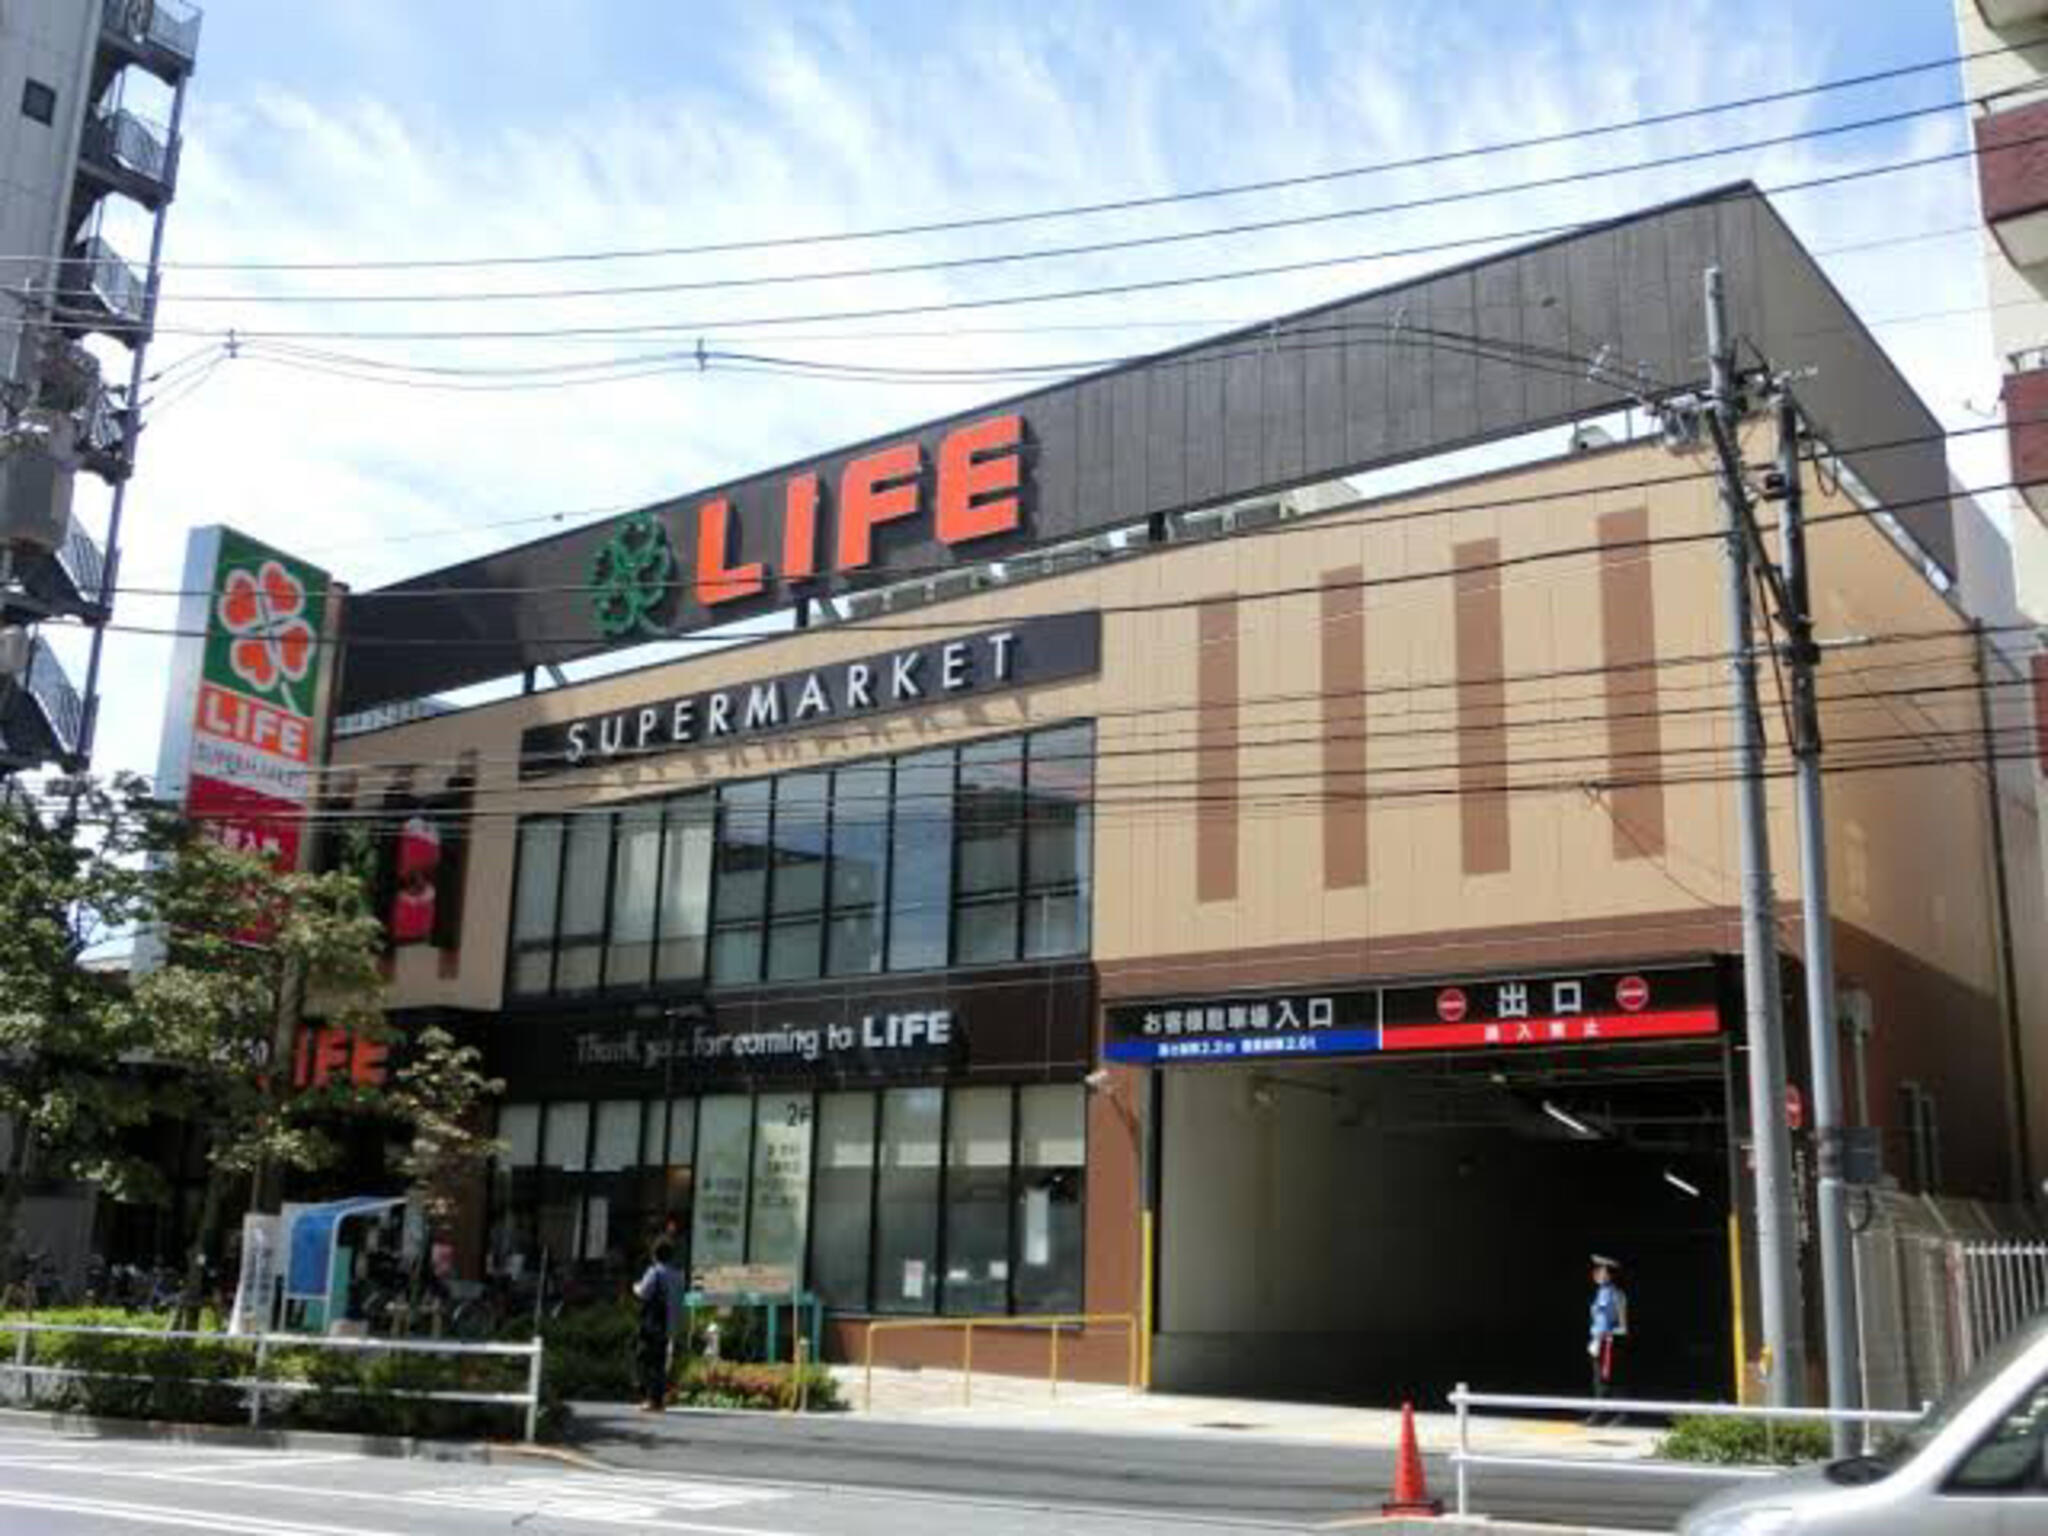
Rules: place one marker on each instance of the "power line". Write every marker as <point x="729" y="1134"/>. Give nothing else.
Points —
<point x="1326" y="520"/>
<point x="630" y="770"/>
<point x="1092" y="247"/>
<point x="999" y="301"/>
<point x="1128" y="204"/>
<point x="1901" y="756"/>
<point x="539" y="797"/>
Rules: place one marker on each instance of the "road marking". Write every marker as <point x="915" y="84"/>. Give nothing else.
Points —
<point x="637" y="1515"/>
<point x="598" y="1499"/>
<point x="261" y="1463"/>
<point x="165" y="1514"/>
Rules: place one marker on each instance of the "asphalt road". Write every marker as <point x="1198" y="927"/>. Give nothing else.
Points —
<point x="1210" y="1474"/>
<point x="953" y="1481"/>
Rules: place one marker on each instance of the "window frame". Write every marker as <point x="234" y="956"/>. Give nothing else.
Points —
<point x="39" y="94"/>
<point x="669" y="819"/>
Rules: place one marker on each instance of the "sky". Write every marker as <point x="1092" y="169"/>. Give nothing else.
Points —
<point x="354" y="131"/>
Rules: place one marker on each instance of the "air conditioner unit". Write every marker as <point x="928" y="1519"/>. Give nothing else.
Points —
<point x="38" y="462"/>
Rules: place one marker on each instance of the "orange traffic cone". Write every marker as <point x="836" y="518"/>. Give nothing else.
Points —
<point x="1411" y="1488"/>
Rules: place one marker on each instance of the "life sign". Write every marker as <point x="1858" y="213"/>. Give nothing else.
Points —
<point x="971" y="489"/>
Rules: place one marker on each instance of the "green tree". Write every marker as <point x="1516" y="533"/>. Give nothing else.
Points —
<point x="439" y="1092"/>
<point x="244" y="946"/>
<point x="68" y="884"/>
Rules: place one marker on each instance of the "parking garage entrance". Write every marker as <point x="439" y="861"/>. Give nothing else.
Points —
<point x="1380" y="1192"/>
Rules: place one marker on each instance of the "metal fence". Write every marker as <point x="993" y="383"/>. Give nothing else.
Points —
<point x="22" y="1373"/>
<point x="1052" y="1323"/>
<point x="1937" y="1283"/>
<point x="1464" y="1458"/>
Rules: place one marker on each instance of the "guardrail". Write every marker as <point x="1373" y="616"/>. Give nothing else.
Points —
<point x="1463" y="1458"/>
<point x="261" y="1345"/>
<point x="1053" y="1321"/>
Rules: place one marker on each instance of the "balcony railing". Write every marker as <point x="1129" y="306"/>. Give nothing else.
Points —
<point x="2025" y="393"/>
<point x="170" y="25"/>
<point x="83" y="564"/>
<point x="102" y="436"/>
<point x="121" y="141"/>
<point x="2012" y="176"/>
<point x="63" y="710"/>
<point x="99" y="271"/>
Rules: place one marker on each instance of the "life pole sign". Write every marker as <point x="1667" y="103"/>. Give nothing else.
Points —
<point x="245" y="722"/>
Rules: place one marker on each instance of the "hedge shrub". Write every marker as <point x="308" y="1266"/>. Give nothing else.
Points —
<point x="725" y="1384"/>
<point x="1743" y="1442"/>
<point x="201" y="1381"/>
<point x="590" y="1358"/>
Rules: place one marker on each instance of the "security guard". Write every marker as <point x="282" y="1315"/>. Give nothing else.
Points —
<point x="1610" y="1326"/>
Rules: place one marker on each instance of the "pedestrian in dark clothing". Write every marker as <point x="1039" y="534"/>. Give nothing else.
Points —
<point x="1610" y="1326"/>
<point x="659" y="1292"/>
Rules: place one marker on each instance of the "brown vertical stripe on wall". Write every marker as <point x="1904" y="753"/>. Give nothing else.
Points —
<point x="1482" y="707"/>
<point x="1628" y="636"/>
<point x="1343" y="687"/>
<point x="1216" y="751"/>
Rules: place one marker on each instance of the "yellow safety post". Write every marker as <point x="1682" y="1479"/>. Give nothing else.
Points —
<point x="1735" y="1289"/>
<point x="1142" y="1376"/>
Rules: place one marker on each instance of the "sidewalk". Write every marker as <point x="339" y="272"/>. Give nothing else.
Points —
<point x="1015" y="1402"/>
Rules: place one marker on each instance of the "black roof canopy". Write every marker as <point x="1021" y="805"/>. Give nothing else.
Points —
<point x="1347" y="386"/>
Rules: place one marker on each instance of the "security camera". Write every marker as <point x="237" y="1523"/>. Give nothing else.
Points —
<point x="1097" y="1081"/>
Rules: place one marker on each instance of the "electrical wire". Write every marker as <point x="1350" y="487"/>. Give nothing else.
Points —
<point x="1327" y="519"/>
<point x="1062" y="295"/>
<point x="1151" y="241"/>
<point x="1906" y="754"/>
<point x="939" y="626"/>
<point x="1129" y="204"/>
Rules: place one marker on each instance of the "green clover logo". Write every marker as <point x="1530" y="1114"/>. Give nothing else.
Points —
<point x="629" y="577"/>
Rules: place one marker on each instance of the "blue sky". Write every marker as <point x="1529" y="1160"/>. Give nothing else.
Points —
<point x="352" y="130"/>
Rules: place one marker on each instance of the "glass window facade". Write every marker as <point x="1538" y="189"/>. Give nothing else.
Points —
<point x="957" y="856"/>
<point x="962" y="1201"/>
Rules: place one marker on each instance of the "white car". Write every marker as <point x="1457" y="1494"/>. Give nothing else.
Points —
<point x="1975" y="1465"/>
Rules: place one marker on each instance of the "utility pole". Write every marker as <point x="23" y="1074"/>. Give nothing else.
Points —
<point x="1836" y="1272"/>
<point x="1770" y="1139"/>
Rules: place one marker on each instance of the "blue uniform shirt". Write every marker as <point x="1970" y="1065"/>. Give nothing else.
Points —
<point x="1610" y="1311"/>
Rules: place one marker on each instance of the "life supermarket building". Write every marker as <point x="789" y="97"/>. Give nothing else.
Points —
<point x="1240" y="842"/>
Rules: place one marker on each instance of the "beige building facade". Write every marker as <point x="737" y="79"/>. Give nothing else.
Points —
<point x="1473" y="738"/>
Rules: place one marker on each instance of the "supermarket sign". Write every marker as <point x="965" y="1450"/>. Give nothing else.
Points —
<point x="243" y="729"/>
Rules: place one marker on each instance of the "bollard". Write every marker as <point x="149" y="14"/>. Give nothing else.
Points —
<point x="1464" y="1449"/>
<point x="24" y="1384"/>
<point x="256" y="1385"/>
<point x="533" y="1394"/>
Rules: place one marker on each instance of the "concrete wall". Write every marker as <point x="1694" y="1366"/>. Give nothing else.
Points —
<point x="50" y="41"/>
<point x="2019" y="321"/>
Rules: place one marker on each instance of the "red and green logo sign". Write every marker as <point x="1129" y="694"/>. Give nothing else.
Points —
<point x="264" y="641"/>
<point x="255" y="722"/>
